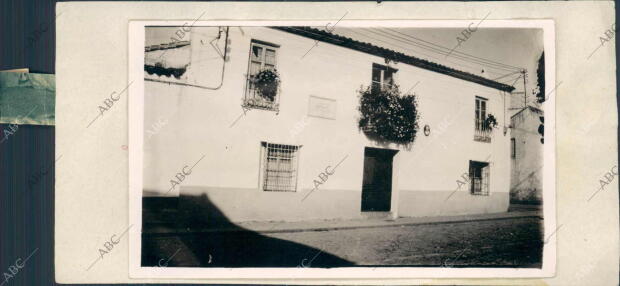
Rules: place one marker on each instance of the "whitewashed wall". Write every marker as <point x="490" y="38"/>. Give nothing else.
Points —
<point x="527" y="175"/>
<point x="199" y="120"/>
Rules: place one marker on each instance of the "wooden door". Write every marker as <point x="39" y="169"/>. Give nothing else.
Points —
<point x="377" y="182"/>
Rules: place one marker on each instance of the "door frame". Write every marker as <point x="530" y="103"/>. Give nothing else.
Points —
<point x="393" y="212"/>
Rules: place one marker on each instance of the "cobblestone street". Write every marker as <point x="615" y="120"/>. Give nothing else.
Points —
<point x="514" y="242"/>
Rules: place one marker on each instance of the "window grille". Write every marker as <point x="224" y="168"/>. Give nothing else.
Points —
<point x="262" y="57"/>
<point x="280" y="163"/>
<point x="479" y="173"/>
<point x="482" y="130"/>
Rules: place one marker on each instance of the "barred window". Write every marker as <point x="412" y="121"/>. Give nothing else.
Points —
<point x="280" y="164"/>
<point x="479" y="178"/>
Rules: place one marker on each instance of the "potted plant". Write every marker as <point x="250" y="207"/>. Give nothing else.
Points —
<point x="387" y="115"/>
<point x="490" y="122"/>
<point x="266" y="83"/>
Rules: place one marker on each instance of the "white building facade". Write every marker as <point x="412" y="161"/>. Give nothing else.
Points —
<point x="302" y="155"/>
<point x="527" y="156"/>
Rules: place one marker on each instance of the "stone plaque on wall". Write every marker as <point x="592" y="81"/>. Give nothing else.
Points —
<point x="322" y="107"/>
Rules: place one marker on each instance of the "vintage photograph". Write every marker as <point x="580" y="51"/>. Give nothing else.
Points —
<point x="343" y="145"/>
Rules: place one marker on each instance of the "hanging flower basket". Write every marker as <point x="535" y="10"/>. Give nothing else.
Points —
<point x="386" y="115"/>
<point x="266" y="83"/>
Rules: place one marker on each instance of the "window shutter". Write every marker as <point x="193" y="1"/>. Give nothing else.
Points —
<point x="485" y="179"/>
<point x="472" y="178"/>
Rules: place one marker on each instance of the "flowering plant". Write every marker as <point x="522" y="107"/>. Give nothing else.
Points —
<point x="266" y="83"/>
<point x="490" y="122"/>
<point x="387" y="115"/>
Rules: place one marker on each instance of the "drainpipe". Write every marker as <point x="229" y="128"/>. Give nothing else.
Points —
<point x="504" y="112"/>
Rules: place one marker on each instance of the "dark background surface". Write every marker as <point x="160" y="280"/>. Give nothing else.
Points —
<point x="27" y="40"/>
<point x="27" y="214"/>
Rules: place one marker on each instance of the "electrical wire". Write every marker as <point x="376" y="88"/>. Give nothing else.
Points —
<point x="409" y="42"/>
<point x="333" y="57"/>
<point x="475" y="68"/>
<point x="474" y="61"/>
<point x="462" y="53"/>
<point x="506" y="75"/>
<point x="417" y="52"/>
<point x="406" y="48"/>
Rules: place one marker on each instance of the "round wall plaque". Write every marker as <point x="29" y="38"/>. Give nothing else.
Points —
<point x="427" y="130"/>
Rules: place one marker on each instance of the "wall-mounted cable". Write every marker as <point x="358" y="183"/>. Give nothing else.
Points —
<point x="201" y="86"/>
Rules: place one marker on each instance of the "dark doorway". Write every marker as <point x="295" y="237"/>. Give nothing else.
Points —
<point x="377" y="184"/>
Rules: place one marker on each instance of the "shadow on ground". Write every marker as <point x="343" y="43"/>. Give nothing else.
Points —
<point x="232" y="247"/>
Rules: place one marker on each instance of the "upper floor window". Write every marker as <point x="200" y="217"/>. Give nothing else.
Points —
<point x="263" y="80"/>
<point x="382" y="76"/>
<point x="482" y="132"/>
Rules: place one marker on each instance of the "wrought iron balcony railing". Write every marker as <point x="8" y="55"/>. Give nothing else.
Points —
<point x="482" y="131"/>
<point x="254" y="99"/>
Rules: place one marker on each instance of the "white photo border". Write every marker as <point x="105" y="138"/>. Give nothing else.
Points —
<point x="136" y="45"/>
